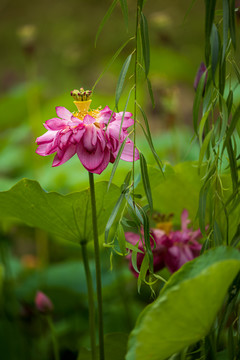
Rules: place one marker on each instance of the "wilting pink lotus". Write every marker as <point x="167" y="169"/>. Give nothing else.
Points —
<point x="158" y="249"/>
<point x="43" y="303"/>
<point x="95" y="136"/>
<point x="182" y="245"/>
<point x="171" y="250"/>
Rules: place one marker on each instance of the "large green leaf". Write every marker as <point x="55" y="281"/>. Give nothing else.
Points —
<point x="67" y="216"/>
<point x="186" y="307"/>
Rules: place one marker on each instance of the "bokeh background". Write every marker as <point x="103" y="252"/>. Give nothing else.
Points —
<point x="47" y="50"/>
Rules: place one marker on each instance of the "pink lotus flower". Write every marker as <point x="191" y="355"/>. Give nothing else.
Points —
<point x="96" y="138"/>
<point x="158" y="249"/>
<point x="43" y="303"/>
<point x="171" y="250"/>
<point x="182" y="245"/>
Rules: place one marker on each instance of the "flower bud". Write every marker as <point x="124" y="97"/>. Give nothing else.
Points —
<point x="201" y="70"/>
<point x="43" y="303"/>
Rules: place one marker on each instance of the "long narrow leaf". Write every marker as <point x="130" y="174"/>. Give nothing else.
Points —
<point x="148" y="136"/>
<point x="143" y="271"/>
<point x="225" y="27"/>
<point x="105" y="18"/>
<point x="202" y="208"/>
<point x="204" y="147"/>
<point x="222" y="74"/>
<point x="150" y="91"/>
<point x="146" y="230"/>
<point x="145" y="43"/>
<point x="121" y="79"/>
<point x="236" y="238"/>
<point x="115" y="165"/>
<point x="145" y="180"/>
<point x="218" y="240"/>
<point x="232" y="26"/>
<point x="111" y="62"/>
<point x="232" y="127"/>
<point x="201" y="126"/>
<point x="113" y="215"/>
<point x="209" y="17"/>
<point x="197" y="101"/>
<point x="124" y="7"/>
<point x="121" y="239"/>
<point x="224" y="117"/>
<point x="229" y="102"/>
<point x="233" y="165"/>
<point x="236" y="69"/>
<point x="214" y="50"/>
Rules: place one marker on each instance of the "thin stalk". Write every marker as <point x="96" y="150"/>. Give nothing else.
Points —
<point x="98" y="268"/>
<point x="91" y="306"/>
<point x="54" y="338"/>
<point x="135" y="92"/>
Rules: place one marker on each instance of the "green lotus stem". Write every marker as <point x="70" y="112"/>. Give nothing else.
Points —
<point x="54" y="338"/>
<point x="98" y="268"/>
<point x="91" y="306"/>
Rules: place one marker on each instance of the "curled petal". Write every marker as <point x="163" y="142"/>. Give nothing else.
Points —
<point x="90" y="159"/>
<point x="104" y="163"/>
<point x="55" y="124"/>
<point x="46" y="138"/>
<point x="46" y="149"/>
<point x="64" y="138"/>
<point x="63" y="113"/>
<point x="106" y="114"/>
<point x="78" y="133"/>
<point x="126" y="121"/>
<point x="88" y="137"/>
<point x="65" y="155"/>
<point x="127" y="153"/>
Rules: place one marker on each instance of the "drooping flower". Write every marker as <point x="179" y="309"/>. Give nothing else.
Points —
<point x="43" y="303"/>
<point x="181" y="245"/>
<point x="170" y="248"/>
<point x="158" y="249"/>
<point x="94" y="135"/>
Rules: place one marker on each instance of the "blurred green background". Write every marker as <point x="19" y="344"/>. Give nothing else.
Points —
<point x="47" y="50"/>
